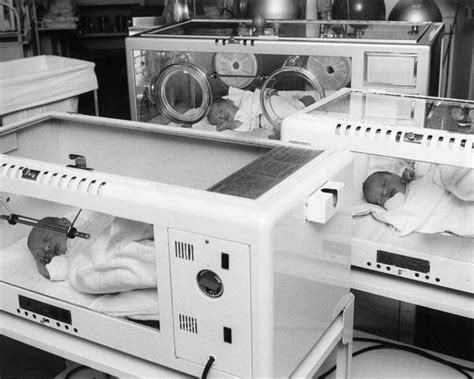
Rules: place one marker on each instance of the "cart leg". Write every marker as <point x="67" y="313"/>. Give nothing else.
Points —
<point x="96" y="103"/>
<point x="344" y="346"/>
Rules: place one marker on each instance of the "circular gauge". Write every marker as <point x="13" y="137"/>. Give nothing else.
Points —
<point x="183" y="93"/>
<point x="332" y="72"/>
<point x="210" y="283"/>
<point x="286" y="91"/>
<point x="236" y="70"/>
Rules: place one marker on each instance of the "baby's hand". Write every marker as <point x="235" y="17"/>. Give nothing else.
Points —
<point x="408" y="174"/>
<point x="228" y="125"/>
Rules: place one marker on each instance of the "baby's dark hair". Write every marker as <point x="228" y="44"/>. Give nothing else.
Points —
<point x="368" y="182"/>
<point x="219" y="100"/>
<point x="210" y="114"/>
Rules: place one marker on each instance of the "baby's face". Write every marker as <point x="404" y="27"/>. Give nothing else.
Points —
<point x="221" y="112"/>
<point x="46" y="244"/>
<point x="381" y="186"/>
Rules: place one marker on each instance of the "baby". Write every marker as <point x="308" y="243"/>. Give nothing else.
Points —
<point x="46" y="244"/>
<point x="110" y="238"/>
<point x="241" y="110"/>
<point x="387" y="189"/>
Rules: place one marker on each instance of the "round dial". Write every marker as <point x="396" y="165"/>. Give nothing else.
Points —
<point x="210" y="283"/>
<point x="240" y="67"/>
<point x="332" y="73"/>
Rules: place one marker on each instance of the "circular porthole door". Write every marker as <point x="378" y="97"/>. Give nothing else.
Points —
<point x="332" y="72"/>
<point x="236" y="69"/>
<point x="183" y="93"/>
<point x="288" y="90"/>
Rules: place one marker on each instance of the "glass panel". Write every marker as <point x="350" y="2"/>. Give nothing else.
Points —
<point x="147" y="154"/>
<point x="108" y="267"/>
<point x="355" y="30"/>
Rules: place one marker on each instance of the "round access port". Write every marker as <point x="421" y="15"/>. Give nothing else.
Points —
<point x="210" y="283"/>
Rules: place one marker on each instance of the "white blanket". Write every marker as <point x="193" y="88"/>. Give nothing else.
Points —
<point x="429" y="208"/>
<point x="118" y="257"/>
<point x="432" y="204"/>
<point x="457" y="180"/>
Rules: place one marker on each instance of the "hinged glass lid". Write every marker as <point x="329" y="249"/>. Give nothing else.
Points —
<point x="362" y="31"/>
<point x="401" y="110"/>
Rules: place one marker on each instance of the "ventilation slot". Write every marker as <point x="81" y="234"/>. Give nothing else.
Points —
<point x="55" y="179"/>
<point x="11" y="171"/>
<point x="188" y="324"/>
<point x="184" y="250"/>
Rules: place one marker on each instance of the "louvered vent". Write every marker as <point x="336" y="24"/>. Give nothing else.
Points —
<point x="184" y="250"/>
<point x="188" y="324"/>
<point x="423" y="137"/>
<point x="54" y="179"/>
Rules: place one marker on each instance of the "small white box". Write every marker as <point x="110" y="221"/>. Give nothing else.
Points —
<point x="325" y="202"/>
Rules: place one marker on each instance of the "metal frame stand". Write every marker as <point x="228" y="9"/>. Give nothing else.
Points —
<point x="339" y="337"/>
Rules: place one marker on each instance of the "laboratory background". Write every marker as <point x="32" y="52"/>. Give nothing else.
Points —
<point x="236" y="188"/>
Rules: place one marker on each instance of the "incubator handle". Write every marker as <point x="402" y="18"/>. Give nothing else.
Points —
<point x="79" y="162"/>
<point x="323" y="204"/>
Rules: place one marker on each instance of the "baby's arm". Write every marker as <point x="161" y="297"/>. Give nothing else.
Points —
<point x="228" y="125"/>
<point x="307" y="100"/>
<point x="415" y="170"/>
<point x="408" y="174"/>
<point x="42" y="269"/>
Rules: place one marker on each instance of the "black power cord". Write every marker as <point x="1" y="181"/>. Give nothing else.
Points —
<point x="209" y="363"/>
<point x="390" y="345"/>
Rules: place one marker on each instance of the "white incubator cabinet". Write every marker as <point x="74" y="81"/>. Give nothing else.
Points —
<point x="175" y="72"/>
<point x="422" y="229"/>
<point x="174" y="246"/>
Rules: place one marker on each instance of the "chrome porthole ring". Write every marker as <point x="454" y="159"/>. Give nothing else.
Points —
<point x="164" y="86"/>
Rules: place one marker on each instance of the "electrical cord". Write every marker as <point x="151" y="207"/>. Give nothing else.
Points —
<point x="390" y="345"/>
<point x="75" y="370"/>
<point x="209" y="363"/>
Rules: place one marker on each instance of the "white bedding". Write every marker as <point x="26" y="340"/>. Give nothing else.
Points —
<point x="18" y="267"/>
<point x="432" y="204"/>
<point x="119" y="256"/>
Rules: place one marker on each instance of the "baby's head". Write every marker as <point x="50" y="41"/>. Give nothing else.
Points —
<point x="45" y="244"/>
<point x="381" y="186"/>
<point x="222" y="110"/>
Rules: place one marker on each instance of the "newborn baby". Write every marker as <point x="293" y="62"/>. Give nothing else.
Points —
<point x="112" y="242"/>
<point x="241" y="110"/>
<point x="46" y="244"/>
<point x="386" y="189"/>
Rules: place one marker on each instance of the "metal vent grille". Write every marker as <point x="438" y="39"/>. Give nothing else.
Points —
<point x="54" y="179"/>
<point x="184" y="250"/>
<point x="424" y="137"/>
<point x="188" y="324"/>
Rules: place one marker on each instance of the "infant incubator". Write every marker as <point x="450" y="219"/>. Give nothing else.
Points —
<point x="175" y="72"/>
<point x="426" y="235"/>
<point x="224" y="215"/>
